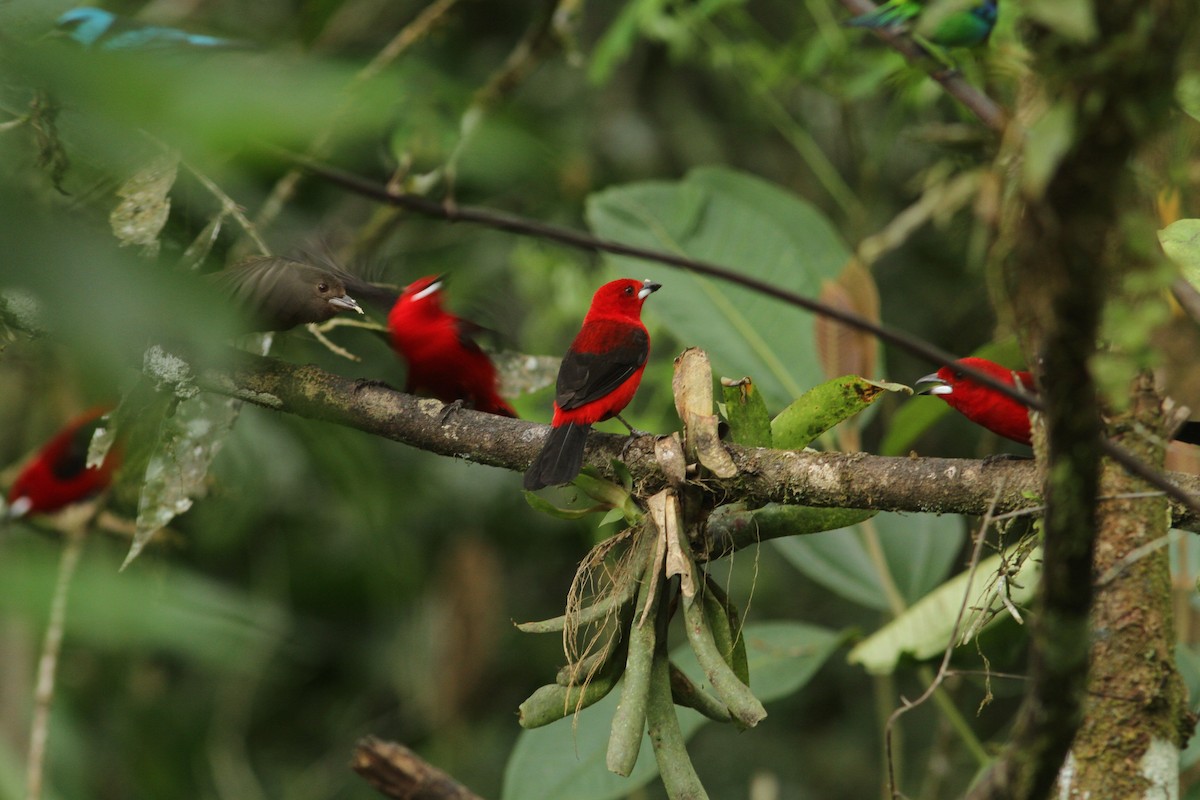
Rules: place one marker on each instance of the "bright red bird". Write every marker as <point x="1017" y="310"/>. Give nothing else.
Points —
<point x="598" y="376"/>
<point x="58" y="475"/>
<point x="981" y="404"/>
<point x="443" y="358"/>
<point x="998" y="413"/>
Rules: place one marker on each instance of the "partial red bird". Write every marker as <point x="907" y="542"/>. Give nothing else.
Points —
<point x="444" y="360"/>
<point x="981" y="404"/>
<point x="598" y="377"/>
<point x="998" y="413"/>
<point x="58" y="475"/>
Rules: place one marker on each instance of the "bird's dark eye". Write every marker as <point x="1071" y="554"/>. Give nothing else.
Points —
<point x="629" y="291"/>
<point x="958" y="376"/>
<point x="322" y="287"/>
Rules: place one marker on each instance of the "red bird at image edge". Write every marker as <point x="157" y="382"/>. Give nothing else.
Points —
<point x="58" y="475"/>
<point x="442" y="356"/>
<point x="981" y="404"/>
<point x="999" y="413"/>
<point x="598" y="377"/>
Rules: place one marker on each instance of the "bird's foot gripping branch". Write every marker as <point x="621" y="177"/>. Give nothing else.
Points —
<point x="637" y="580"/>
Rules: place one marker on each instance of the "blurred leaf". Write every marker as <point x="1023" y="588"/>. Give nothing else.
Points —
<point x="1187" y="93"/>
<point x="751" y="226"/>
<point x="177" y="471"/>
<point x="920" y="413"/>
<point x="924" y="630"/>
<point x="617" y="42"/>
<point x="824" y="406"/>
<point x="917" y="549"/>
<point x="556" y="762"/>
<point x="1181" y="242"/>
<point x="202" y="104"/>
<point x="843" y="350"/>
<point x="145" y="204"/>
<point x="1073" y="19"/>
<point x="1046" y="143"/>
<point x="103" y="302"/>
<point x="51" y="155"/>
<point x="162" y="608"/>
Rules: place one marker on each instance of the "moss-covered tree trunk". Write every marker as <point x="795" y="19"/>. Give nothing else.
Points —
<point x="1072" y="232"/>
<point x="1135" y="712"/>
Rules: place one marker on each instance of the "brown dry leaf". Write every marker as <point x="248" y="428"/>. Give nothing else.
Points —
<point x="669" y="454"/>
<point x="145" y="203"/>
<point x="672" y="556"/>
<point x="843" y="350"/>
<point x="692" y="385"/>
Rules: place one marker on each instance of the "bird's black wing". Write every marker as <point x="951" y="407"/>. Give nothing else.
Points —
<point x="584" y="377"/>
<point x="73" y="460"/>
<point x="467" y="331"/>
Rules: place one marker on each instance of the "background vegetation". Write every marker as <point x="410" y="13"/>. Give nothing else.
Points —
<point x="331" y="584"/>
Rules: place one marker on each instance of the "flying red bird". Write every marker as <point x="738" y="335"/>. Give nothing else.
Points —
<point x="443" y="358"/>
<point x="598" y="377"/>
<point x="981" y="404"/>
<point x="58" y="475"/>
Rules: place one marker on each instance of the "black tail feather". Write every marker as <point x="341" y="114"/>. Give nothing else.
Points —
<point x="1188" y="432"/>
<point x="561" y="457"/>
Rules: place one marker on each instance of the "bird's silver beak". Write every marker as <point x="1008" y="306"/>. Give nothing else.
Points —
<point x="345" y="303"/>
<point x="936" y="385"/>
<point x="649" y="287"/>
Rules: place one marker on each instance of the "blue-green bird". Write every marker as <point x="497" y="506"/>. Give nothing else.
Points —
<point x="966" y="26"/>
<point x="98" y="29"/>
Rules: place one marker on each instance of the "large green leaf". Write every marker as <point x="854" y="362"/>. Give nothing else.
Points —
<point x="924" y="630"/>
<point x="917" y="550"/>
<point x="825" y="405"/>
<point x="556" y="762"/>
<point x="159" y="608"/>
<point x="751" y="226"/>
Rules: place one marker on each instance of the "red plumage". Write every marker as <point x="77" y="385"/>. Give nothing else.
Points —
<point x="981" y="404"/>
<point x="442" y="356"/>
<point x="598" y="377"/>
<point x="58" y="475"/>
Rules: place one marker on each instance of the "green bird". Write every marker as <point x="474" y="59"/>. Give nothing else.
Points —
<point x="964" y="26"/>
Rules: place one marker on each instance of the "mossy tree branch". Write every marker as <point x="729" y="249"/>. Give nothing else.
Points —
<point x="832" y="480"/>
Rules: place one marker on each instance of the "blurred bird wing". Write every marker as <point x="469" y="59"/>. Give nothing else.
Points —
<point x="892" y="14"/>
